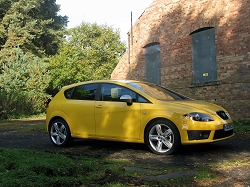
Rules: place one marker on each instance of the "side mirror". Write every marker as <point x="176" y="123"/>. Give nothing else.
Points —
<point x="127" y="99"/>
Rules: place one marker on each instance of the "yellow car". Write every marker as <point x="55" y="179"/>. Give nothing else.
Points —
<point x="134" y="111"/>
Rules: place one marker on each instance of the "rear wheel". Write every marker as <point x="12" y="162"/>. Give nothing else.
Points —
<point x="162" y="137"/>
<point x="60" y="133"/>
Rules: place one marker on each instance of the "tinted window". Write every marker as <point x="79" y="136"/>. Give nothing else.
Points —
<point x="142" y="99"/>
<point x="113" y="92"/>
<point x="67" y="93"/>
<point x="84" y="92"/>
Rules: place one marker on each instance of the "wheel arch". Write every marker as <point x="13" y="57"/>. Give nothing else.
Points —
<point x="156" y="119"/>
<point x="54" y="118"/>
<point x="65" y="131"/>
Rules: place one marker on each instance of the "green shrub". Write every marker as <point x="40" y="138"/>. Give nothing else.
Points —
<point x="20" y="103"/>
<point x="23" y="81"/>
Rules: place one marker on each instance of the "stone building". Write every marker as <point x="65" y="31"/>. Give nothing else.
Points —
<point x="199" y="48"/>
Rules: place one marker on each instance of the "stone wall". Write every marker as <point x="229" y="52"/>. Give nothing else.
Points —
<point x="170" y="23"/>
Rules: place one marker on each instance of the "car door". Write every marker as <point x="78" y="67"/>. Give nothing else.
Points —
<point x="80" y="110"/>
<point x="116" y="119"/>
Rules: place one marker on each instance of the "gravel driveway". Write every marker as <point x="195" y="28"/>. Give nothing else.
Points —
<point x="13" y="136"/>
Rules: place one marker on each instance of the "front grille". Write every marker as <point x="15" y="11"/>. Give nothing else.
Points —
<point x="198" y="135"/>
<point x="222" y="134"/>
<point x="222" y="114"/>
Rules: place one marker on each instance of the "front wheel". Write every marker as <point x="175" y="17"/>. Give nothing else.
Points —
<point x="162" y="137"/>
<point x="59" y="133"/>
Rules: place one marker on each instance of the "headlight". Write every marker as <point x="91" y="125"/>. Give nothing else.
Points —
<point x="196" y="116"/>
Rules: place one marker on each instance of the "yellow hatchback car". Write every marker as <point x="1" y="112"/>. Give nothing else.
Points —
<point x="134" y="111"/>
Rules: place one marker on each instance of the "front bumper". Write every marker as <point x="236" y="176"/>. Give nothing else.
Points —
<point x="194" y="132"/>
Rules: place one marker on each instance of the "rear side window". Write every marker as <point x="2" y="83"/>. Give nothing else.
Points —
<point x="83" y="92"/>
<point x="67" y="93"/>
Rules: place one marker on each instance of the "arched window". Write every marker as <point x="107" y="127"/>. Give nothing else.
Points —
<point x="204" y="55"/>
<point x="152" y="63"/>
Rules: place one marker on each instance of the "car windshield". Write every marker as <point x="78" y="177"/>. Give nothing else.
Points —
<point x="157" y="92"/>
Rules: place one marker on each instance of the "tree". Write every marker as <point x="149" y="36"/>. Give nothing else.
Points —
<point x="33" y="26"/>
<point x="30" y="31"/>
<point x="90" y="52"/>
<point x="24" y="73"/>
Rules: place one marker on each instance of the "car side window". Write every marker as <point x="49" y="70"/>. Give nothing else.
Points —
<point x="142" y="99"/>
<point x="84" y="92"/>
<point x="113" y="92"/>
<point x="68" y="92"/>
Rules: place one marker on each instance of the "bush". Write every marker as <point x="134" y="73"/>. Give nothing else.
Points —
<point x="20" y="103"/>
<point x="23" y="81"/>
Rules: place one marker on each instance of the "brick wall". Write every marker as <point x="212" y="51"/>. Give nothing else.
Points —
<point x="170" y="23"/>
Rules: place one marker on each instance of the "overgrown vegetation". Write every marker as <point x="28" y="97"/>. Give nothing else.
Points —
<point x="29" y="34"/>
<point x="37" y="59"/>
<point x="24" y="80"/>
<point x="90" y="52"/>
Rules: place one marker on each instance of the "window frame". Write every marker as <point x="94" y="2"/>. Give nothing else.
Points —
<point x="98" y="98"/>
<point x="79" y="86"/>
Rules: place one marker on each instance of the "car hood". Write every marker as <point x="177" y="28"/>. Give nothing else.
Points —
<point x="196" y="106"/>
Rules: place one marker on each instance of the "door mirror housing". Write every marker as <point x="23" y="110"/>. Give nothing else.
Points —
<point x="127" y="99"/>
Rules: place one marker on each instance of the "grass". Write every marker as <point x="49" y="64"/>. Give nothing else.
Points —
<point x="20" y="167"/>
<point x="21" y="125"/>
<point x="242" y="126"/>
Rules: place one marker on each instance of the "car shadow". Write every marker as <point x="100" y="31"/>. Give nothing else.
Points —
<point x="105" y="148"/>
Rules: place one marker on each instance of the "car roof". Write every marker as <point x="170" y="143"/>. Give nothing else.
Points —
<point x="100" y="81"/>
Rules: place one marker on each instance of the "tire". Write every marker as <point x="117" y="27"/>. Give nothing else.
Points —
<point x="162" y="137"/>
<point x="59" y="133"/>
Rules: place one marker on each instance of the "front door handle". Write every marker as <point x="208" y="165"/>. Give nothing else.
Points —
<point x="98" y="106"/>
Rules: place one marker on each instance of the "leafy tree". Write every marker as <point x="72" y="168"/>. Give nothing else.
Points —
<point x="33" y="25"/>
<point x="24" y="73"/>
<point x="30" y="31"/>
<point x="90" y="52"/>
